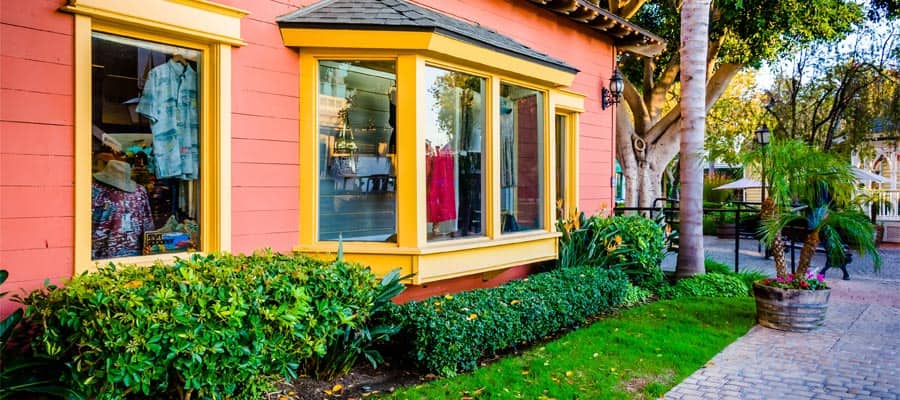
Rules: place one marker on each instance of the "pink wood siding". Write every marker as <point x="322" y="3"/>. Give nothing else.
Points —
<point x="265" y="80"/>
<point x="36" y="143"/>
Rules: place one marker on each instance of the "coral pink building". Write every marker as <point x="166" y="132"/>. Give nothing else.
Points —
<point x="436" y="136"/>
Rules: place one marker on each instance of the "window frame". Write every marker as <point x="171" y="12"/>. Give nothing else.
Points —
<point x="174" y="24"/>
<point x="412" y="252"/>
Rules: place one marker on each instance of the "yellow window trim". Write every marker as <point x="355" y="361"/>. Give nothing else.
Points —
<point x="453" y="260"/>
<point x="429" y="44"/>
<point x="430" y="261"/>
<point x="571" y="105"/>
<point x="198" y="20"/>
<point x="171" y="22"/>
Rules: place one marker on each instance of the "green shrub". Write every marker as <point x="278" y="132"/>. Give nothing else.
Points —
<point x="716" y="267"/>
<point x="636" y="295"/>
<point x="447" y="334"/>
<point x="23" y="375"/>
<point x="706" y="285"/>
<point x="709" y="225"/>
<point x="749" y="277"/>
<point x="634" y="244"/>
<point x="216" y="326"/>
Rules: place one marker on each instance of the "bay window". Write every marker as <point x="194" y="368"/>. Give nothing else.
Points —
<point x="424" y="152"/>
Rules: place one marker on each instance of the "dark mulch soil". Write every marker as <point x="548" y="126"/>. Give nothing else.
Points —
<point x="363" y="381"/>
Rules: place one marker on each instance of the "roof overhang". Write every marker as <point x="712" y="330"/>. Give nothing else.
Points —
<point x="626" y="35"/>
<point x="426" y="42"/>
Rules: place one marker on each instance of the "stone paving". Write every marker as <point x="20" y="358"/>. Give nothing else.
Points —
<point x="856" y="355"/>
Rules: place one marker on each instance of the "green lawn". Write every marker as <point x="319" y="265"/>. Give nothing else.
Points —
<point x="640" y="353"/>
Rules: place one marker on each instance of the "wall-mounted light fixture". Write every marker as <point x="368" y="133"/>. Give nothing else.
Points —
<point x="612" y="96"/>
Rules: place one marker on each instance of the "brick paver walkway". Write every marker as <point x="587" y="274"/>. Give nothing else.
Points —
<point x="855" y="356"/>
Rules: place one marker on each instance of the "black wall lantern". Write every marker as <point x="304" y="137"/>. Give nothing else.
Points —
<point x="612" y="96"/>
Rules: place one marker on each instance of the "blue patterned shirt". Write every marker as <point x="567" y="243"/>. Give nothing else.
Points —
<point x="169" y="101"/>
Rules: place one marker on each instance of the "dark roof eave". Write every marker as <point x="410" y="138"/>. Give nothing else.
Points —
<point x="408" y="28"/>
<point x="627" y="35"/>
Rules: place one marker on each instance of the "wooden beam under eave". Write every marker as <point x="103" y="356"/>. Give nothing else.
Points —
<point x="584" y="14"/>
<point x="645" y="50"/>
<point x="563" y="6"/>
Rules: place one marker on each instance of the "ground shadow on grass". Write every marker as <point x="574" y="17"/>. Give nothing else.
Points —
<point x="638" y="353"/>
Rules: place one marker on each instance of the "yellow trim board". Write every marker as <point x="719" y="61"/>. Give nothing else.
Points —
<point x="199" y="20"/>
<point x="430" y="44"/>
<point x="443" y="262"/>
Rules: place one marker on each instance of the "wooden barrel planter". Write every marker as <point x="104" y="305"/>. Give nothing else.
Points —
<point x="791" y="310"/>
<point x="725" y="231"/>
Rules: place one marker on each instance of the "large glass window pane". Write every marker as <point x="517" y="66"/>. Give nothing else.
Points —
<point x="454" y="143"/>
<point x="145" y="194"/>
<point x="521" y="158"/>
<point x="562" y="126"/>
<point x="357" y="149"/>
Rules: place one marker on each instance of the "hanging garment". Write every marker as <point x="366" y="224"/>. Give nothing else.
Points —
<point x="439" y="186"/>
<point x="169" y="101"/>
<point x="118" y="219"/>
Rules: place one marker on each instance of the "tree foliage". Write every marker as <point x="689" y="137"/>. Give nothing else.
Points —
<point x="741" y="33"/>
<point x="832" y="95"/>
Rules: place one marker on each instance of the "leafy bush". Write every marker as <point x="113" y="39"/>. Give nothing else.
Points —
<point x="447" y="334"/>
<point x="747" y="276"/>
<point x="21" y="374"/>
<point x="211" y="326"/>
<point x="715" y="267"/>
<point x="709" y="225"/>
<point x="358" y="340"/>
<point x="636" y="295"/>
<point x="635" y="244"/>
<point x="706" y="285"/>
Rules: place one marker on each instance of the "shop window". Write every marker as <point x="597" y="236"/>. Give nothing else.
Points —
<point x="521" y="158"/>
<point x="145" y="193"/>
<point x="454" y="143"/>
<point x="562" y="127"/>
<point x="357" y="149"/>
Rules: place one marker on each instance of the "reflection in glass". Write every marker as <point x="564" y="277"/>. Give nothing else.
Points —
<point x="561" y="127"/>
<point x="357" y="145"/>
<point x="454" y="140"/>
<point x="521" y="158"/>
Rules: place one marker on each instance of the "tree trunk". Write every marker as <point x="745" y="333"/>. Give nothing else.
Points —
<point x="694" y="41"/>
<point x="768" y="212"/>
<point x="807" y="253"/>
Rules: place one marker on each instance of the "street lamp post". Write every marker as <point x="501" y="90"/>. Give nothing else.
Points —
<point x="762" y="137"/>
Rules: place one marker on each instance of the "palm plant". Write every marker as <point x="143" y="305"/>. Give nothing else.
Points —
<point x="816" y="189"/>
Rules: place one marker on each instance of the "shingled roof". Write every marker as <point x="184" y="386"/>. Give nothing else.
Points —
<point x="403" y="15"/>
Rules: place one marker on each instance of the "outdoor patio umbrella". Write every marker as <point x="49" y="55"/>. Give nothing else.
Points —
<point x="743" y="183"/>
<point x="863" y="175"/>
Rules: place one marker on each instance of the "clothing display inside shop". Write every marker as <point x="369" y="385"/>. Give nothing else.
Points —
<point x="453" y="154"/>
<point x="439" y="184"/>
<point x="146" y="153"/>
<point x="121" y="212"/>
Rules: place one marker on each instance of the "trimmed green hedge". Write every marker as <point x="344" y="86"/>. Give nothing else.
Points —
<point x="447" y="334"/>
<point x="212" y="326"/>
<point x="706" y="285"/>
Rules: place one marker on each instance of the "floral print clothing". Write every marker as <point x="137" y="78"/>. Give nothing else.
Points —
<point x="119" y="219"/>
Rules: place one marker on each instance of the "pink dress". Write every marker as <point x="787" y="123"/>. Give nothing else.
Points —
<point x="440" y="188"/>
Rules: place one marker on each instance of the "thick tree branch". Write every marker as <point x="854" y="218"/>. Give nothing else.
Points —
<point x="656" y="102"/>
<point x="719" y="81"/>
<point x="636" y="104"/>
<point x="714" y="89"/>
